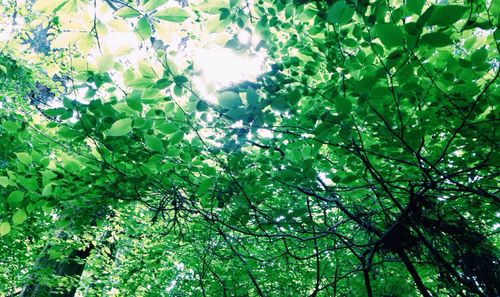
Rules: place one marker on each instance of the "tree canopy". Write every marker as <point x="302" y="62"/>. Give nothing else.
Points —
<point x="351" y="152"/>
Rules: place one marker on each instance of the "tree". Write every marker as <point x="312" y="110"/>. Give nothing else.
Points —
<point x="363" y="162"/>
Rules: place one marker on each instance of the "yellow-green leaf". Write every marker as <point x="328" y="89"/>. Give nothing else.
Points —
<point x="86" y="43"/>
<point x="24" y="158"/>
<point x="47" y="5"/>
<point x="105" y="63"/>
<point x="152" y="4"/>
<point x="4" y="181"/>
<point x="4" y="228"/>
<point x="127" y="12"/>
<point x="19" y="217"/>
<point x="120" y="127"/>
<point x="173" y="14"/>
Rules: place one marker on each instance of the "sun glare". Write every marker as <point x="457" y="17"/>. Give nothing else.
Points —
<point x="215" y="67"/>
<point x="220" y="67"/>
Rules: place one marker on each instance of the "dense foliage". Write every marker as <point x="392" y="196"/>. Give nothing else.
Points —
<point x="362" y="162"/>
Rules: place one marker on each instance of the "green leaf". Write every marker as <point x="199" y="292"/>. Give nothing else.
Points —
<point x="134" y="102"/>
<point x="176" y="138"/>
<point x="201" y="106"/>
<point x="154" y="143"/>
<point x="180" y="79"/>
<point x="54" y="112"/>
<point x="19" y="217"/>
<point x="479" y="57"/>
<point x="168" y="128"/>
<point x="120" y="127"/>
<point x="209" y="170"/>
<point x="445" y="15"/>
<point x="101" y="28"/>
<point x="47" y="5"/>
<point x="390" y="34"/>
<point x="294" y="96"/>
<point x="233" y="3"/>
<point x="229" y="100"/>
<point x="340" y="13"/>
<point x="436" y="39"/>
<point x="173" y="14"/>
<point x="47" y="190"/>
<point x="224" y="13"/>
<point x="4" y="181"/>
<point x="127" y="12"/>
<point x="143" y="28"/>
<point x="252" y="97"/>
<point x="24" y="158"/>
<point x="15" y="197"/>
<point x="169" y="107"/>
<point x="236" y="114"/>
<point x="152" y="4"/>
<point x="105" y="63"/>
<point x="10" y="126"/>
<point x="343" y="105"/>
<point x="205" y="185"/>
<point x="178" y="90"/>
<point x="4" y="228"/>
<point x="414" y="138"/>
<point x="415" y="6"/>
<point x="29" y="184"/>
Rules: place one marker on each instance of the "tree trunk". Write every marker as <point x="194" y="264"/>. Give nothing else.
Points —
<point x="72" y="267"/>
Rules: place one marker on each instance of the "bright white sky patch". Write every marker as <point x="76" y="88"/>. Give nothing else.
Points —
<point x="265" y="133"/>
<point x="323" y="176"/>
<point x="244" y="37"/>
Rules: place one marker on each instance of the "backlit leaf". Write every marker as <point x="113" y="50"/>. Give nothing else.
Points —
<point x="143" y="28"/>
<point x="173" y="14"/>
<point x="19" y="217"/>
<point x="4" y="228"/>
<point x="4" y="181"/>
<point x="127" y="12"/>
<point x="48" y="5"/>
<point x="120" y="127"/>
<point x="153" y="4"/>
<point x="24" y="158"/>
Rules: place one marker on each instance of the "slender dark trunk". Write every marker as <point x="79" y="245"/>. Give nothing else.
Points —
<point x="414" y="274"/>
<point x="368" y="285"/>
<point x="71" y="267"/>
